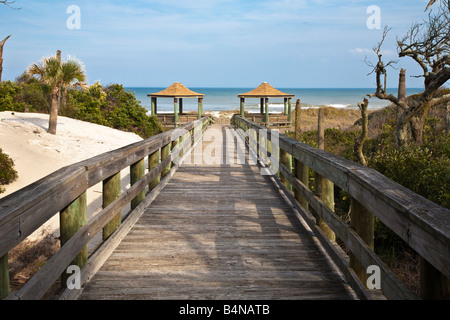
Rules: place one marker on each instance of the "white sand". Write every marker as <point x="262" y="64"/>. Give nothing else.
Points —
<point x="24" y="137"/>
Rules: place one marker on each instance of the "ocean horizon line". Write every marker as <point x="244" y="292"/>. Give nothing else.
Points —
<point x="296" y="88"/>
<point x="226" y="98"/>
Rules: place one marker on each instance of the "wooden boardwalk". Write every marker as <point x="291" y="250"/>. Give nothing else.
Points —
<point x="218" y="231"/>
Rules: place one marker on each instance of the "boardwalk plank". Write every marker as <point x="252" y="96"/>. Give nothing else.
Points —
<point x="218" y="232"/>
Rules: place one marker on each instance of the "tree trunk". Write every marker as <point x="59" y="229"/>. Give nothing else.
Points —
<point x="417" y="124"/>
<point x="56" y="101"/>
<point x="447" y="119"/>
<point x="359" y="142"/>
<point x="1" y="56"/>
<point x="401" y="129"/>
<point x="53" y="120"/>
<point x="401" y="91"/>
<point x="401" y="132"/>
<point x="298" y="108"/>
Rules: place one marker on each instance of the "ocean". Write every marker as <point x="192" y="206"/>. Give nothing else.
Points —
<point x="222" y="99"/>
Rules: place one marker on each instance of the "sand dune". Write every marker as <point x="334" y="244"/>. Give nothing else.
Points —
<point x="24" y="137"/>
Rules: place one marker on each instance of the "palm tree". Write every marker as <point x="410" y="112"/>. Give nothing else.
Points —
<point x="59" y="76"/>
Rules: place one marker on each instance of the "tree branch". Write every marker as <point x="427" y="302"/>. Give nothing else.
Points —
<point x="8" y="3"/>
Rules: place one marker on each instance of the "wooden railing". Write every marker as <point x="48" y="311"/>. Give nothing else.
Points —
<point x="64" y="191"/>
<point x="422" y="224"/>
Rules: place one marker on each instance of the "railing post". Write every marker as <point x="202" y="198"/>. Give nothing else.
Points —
<point x="153" y="161"/>
<point x="266" y="119"/>
<point x="137" y="171"/>
<point x="286" y="160"/>
<point x="71" y="219"/>
<point x="111" y="190"/>
<point x="362" y="221"/>
<point x="301" y="173"/>
<point x="290" y="110"/>
<point x="165" y="152"/>
<point x="433" y="284"/>
<point x="175" y="145"/>
<point x="324" y="187"/>
<point x="4" y="277"/>
<point x="175" y="111"/>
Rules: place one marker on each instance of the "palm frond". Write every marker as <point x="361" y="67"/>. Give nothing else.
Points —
<point x="73" y="70"/>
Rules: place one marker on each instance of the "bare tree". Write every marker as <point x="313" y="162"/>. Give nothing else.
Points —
<point x="9" y="3"/>
<point x="1" y="55"/>
<point x="427" y="43"/>
<point x="359" y="141"/>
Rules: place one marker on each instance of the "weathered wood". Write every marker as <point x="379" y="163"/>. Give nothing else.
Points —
<point x="101" y="255"/>
<point x="137" y="172"/>
<point x="240" y="244"/>
<point x="43" y="279"/>
<point x="111" y="190"/>
<point x="286" y="161"/>
<point x="200" y="107"/>
<point x="391" y="285"/>
<point x="424" y="225"/>
<point x="4" y="277"/>
<point x="165" y="152"/>
<point x="71" y="219"/>
<point x="266" y="116"/>
<point x="324" y="188"/>
<point x="153" y="160"/>
<point x="362" y="221"/>
<point x="290" y="110"/>
<point x="175" y="111"/>
<point x="433" y="284"/>
<point x="23" y="212"/>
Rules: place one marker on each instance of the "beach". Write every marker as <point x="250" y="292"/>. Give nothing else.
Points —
<point x="37" y="153"/>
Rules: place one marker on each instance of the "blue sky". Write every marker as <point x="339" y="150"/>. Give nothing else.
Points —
<point x="212" y="43"/>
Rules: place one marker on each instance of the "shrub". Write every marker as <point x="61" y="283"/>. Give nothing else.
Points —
<point x="7" y="172"/>
<point x="422" y="169"/>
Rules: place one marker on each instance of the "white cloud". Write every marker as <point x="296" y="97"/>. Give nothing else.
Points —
<point x="360" y="51"/>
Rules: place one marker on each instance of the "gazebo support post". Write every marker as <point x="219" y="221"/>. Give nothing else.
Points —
<point x="200" y="107"/>
<point x="153" y="106"/>
<point x="290" y="109"/>
<point x="242" y="107"/>
<point x="285" y="106"/>
<point x="262" y="105"/>
<point x="267" y="112"/>
<point x="181" y="105"/>
<point x="175" y="111"/>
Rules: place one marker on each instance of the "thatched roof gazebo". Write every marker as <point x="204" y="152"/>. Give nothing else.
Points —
<point x="177" y="91"/>
<point x="265" y="91"/>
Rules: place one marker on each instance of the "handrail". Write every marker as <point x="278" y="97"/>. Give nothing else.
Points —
<point x="422" y="224"/>
<point x="24" y="211"/>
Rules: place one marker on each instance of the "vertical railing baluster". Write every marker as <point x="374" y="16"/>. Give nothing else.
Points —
<point x="433" y="284"/>
<point x="4" y="277"/>
<point x="165" y="152"/>
<point x="362" y="221"/>
<point x="324" y="188"/>
<point x="137" y="171"/>
<point x="111" y="191"/>
<point x="71" y="219"/>
<point x="153" y="161"/>
<point x="286" y="160"/>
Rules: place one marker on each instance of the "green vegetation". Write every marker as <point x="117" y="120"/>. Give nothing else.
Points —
<point x="7" y="172"/>
<point x="111" y="106"/>
<point x="423" y="169"/>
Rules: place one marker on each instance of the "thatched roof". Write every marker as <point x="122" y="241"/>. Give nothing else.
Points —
<point x="176" y="90"/>
<point x="265" y="90"/>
